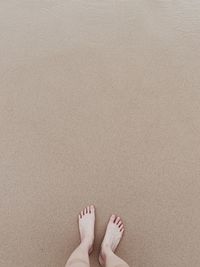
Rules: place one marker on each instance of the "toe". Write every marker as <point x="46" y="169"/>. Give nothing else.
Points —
<point x="121" y="226"/>
<point x="92" y="209"/>
<point x="112" y="218"/>
<point x="82" y="213"/>
<point x="117" y="220"/>
<point x="79" y="216"/>
<point x="120" y="223"/>
<point x="88" y="209"/>
<point x="85" y="211"/>
<point x="122" y="230"/>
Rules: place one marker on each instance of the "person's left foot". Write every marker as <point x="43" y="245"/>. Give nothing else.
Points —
<point x="86" y="227"/>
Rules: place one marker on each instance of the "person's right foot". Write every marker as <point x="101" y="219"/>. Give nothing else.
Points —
<point x="113" y="235"/>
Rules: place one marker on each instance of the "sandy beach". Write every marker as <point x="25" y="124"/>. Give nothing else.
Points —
<point x="100" y="103"/>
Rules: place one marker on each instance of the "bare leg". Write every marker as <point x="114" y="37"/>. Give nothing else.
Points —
<point x="80" y="256"/>
<point x="113" y="235"/>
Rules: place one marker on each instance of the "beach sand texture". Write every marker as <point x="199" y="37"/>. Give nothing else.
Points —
<point x="100" y="104"/>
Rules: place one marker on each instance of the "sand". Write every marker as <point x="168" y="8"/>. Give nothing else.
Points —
<point x="100" y="103"/>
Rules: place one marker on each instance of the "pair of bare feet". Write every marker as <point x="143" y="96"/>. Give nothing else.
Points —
<point x="113" y="234"/>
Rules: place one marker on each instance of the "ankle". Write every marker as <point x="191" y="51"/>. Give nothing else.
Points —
<point x="105" y="250"/>
<point x="86" y="246"/>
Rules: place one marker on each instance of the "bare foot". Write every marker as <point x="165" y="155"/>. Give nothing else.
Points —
<point x="86" y="220"/>
<point x="113" y="235"/>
